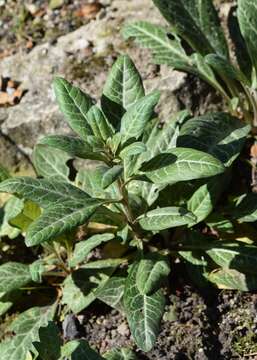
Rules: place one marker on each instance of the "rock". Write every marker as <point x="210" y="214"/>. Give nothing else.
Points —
<point x="83" y="56"/>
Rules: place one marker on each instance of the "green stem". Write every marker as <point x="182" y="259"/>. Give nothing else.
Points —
<point x="128" y="213"/>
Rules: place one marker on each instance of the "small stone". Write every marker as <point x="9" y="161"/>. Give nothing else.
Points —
<point x="123" y="329"/>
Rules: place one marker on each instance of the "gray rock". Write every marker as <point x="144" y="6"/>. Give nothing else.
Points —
<point x="83" y="56"/>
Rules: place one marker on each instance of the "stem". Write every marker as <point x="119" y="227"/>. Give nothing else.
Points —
<point x="128" y="213"/>
<point x="61" y="262"/>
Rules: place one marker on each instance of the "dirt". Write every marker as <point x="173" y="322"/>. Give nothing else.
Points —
<point x="25" y="24"/>
<point x="199" y="324"/>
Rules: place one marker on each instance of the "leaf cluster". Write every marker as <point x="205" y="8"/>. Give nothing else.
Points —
<point x="111" y="232"/>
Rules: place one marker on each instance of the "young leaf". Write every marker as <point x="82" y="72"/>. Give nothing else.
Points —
<point x="217" y="134"/>
<point x="135" y="119"/>
<point x="164" y="138"/>
<point x="59" y="218"/>
<point x="49" y="344"/>
<point x="51" y="163"/>
<point x="144" y="312"/>
<point x="100" y="126"/>
<point x="247" y="17"/>
<point x="13" y="275"/>
<point x="122" y="89"/>
<point x="83" y="248"/>
<point x="120" y="354"/>
<point x="75" y="105"/>
<point x="43" y="191"/>
<point x="111" y="175"/>
<point x="181" y="164"/>
<point x="73" y="146"/>
<point x="233" y="279"/>
<point x="192" y="20"/>
<point x="151" y="271"/>
<point x="26" y="327"/>
<point x="164" y="218"/>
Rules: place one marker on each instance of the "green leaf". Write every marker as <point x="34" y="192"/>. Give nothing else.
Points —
<point x="75" y="105"/>
<point x="4" y="173"/>
<point x="135" y="148"/>
<point x="105" y="263"/>
<point x="239" y="257"/>
<point x="197" y="22"/>
<point x="165" y="51"/>
<point x="181" y="164"/>
<point x="26" y="327"/>
<point x="4" y="307"/>
<point x="234" y="280"/>
<point x="111" y="292"/>
<point x="91" y="181"/>
<point x="111" y="175"/>
<point x="101" y="127"/>
<point x="203" y="200"/>
<point x="51" y="163"/>
<point x="13" y="275"/>
<point x="30" y="212"/>
<point x="12" y="208"/>
<point x="151" y="271"/>
<point x="224" y="68"/>
<point x="240" y="48"/>
<point x="247" y="17"/>
<point x="170" y="52"/>
<point x="137" y="116"/>
<point x="165" y="218"/>
<point x="49" y="344"/>
<point x="246" y="209"/>
<point x="143" y="312"/>
<point x="159" y="140"/>
<point x="164" y="138"/>
<point x="59" y="218"/>
<point x="78" y="288"/>
<point x="219" y="223"/>
<point x="122" y="89"/>
<point x="74" y="146"/>
<point x="83" y="248"/>
<point x="37" y="269"/>
<point x="79" y="350"/>
<point x="217" y="134"/>
<point x="120" y="354"/>
<point x="43" y="191"/>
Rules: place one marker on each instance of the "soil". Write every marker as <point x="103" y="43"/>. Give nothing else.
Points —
<point x="25" y="24"/>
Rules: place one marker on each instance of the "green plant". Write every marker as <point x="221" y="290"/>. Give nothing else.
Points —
<point x="195" y="43"/>
<point x="149" y="179"/>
